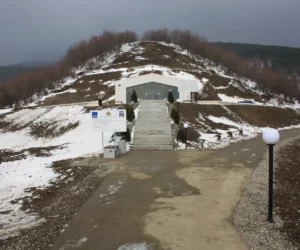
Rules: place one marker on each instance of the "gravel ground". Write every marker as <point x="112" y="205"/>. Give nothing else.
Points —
<point x="59" y="203"/>
<point x="250" y="217"/>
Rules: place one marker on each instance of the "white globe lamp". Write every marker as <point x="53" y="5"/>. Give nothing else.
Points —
<point x="185" y="133"/>
<point x="270" y="136"/>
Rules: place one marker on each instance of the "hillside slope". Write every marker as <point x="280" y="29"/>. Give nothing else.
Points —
<point x="215" y="82"/>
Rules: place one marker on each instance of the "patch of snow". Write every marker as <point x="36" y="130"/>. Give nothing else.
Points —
<point x="136" y="112"/>
<point x="234" y="99"/>
<point x="205" y="80"/>
<point x="71" y="244"/>
<point x="221" y="87"/>
<point x="111" y="84"/>
<point x="4" y="111"/>
<point x="139" y="58"/>
<point x="33" y="171"/>
<point x="68" y="81"/>
<point x="222" y="120"/>
<point x="25" y="116"/>
<point x="113" y="97"/>
<point x="135" y="246"/>
<point x="59" y="93"/>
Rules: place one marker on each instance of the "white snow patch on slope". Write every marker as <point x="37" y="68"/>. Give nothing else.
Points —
<point x="36" y="171"/>
<point x="4" y="111"/>
<point x="222" y="120"/>
<point x="25" y="116"/>
<point x="59" y="93"/>
<point x="226" y="98"/>
<point x="135" y="246"/>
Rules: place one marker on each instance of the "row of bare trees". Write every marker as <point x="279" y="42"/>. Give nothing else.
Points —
<point x="35" y="82"/>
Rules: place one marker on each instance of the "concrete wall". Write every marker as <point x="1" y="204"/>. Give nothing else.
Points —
<point x="185" y="87"/>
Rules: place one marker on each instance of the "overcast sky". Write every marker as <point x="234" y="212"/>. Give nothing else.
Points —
<point x="43" y="29"/>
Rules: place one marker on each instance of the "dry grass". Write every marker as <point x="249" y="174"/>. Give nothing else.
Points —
<point x="246" y="94"/>
<point x="267" y="116"/>
<point x="190" y="113"/>
<point x="217" y="80"/>
<point x="7" y="155"/>
<point x="88" y="88"/>
<point x="50" y="130"/>
<point x="208" y="93"/>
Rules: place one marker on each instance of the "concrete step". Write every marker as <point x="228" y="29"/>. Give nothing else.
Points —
<point x="152" y="128"/>
<point x="147" y="148"/>
<point x="161" y="139"/>
<point x="140" y="142"/>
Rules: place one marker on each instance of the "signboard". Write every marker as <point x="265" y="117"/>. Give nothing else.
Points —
<point x="109" y="120"/>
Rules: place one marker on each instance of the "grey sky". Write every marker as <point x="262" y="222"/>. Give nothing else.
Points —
<point x="43" y="30"/>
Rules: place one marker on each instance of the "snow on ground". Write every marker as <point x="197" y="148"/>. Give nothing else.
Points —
<point x="113" y="97"/>
<point x="67" y="82"/>
<point x="235" y="99"/>
<point x="136" y="112"/>
<point x="135" y="246"/>
<point x="210" y="140"/>
<point x="139" y="58"/>
<point x="35" y="171"/>
<point x="226" y="98"/>
<point x="59" y="93"/>
<point x="4" y="111"/>
<point x="25" y="116"/>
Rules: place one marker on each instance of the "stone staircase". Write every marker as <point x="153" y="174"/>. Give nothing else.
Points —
<point x="152" y="129"/>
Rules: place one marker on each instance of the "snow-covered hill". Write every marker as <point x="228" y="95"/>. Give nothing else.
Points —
<point x="99" y="74"/>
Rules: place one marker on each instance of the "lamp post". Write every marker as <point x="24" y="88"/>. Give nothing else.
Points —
<point x="178" y="102"/>
<point x="270" y="137"/>
<point x="185" y="133"/>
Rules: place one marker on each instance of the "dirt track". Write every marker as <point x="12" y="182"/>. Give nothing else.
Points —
<point x="167" y="200"/>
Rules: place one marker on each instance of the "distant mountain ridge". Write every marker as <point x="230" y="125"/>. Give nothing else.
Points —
<point x="32" y="64"/>
<point x="9" y="72"/>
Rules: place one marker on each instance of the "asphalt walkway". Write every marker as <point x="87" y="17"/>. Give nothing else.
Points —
<point x="167" y="200"/>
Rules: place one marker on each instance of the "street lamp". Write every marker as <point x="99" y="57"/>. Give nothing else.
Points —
<point x="185" y="133"/>
<point x="270" y="137"/>
<point x="178" y="102"/>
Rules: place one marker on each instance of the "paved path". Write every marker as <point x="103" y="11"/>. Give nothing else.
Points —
<point x="168" y="200"/>
<point x="152" y="129"/>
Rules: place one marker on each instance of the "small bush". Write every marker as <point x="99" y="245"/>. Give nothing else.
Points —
<point x="175" y="116"/>
<point x="134" y="97"/>
<point x="130" y="116"/>
<point x="218" y="136"/>
<point x="181" y="135"/>
<point x="170" y="97"/>
<point x="126" y="135"/>
<point x="230" y="134"/>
